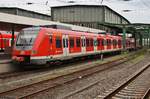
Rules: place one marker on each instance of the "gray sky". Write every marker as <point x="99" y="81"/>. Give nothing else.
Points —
<point x="139" y="9"/>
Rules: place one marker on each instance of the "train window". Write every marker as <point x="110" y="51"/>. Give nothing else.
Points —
<point x="129" y="43"/>
<point x="50" y="38"/>
<point x="114" y="42"/>
<point x="71" y="41"/>
<point x="119" y="42"/>
<point x="78" y="42"/>
<point x="95" y="42"/>
<point x="98" y="42"/>
<point x="66" y="42"/>
<point x="87" y="42"/>
<point x="91" y="42"/>
<point x="82" y="42"/>
<point x="58" y="42"/>
<point x="108" y="42"/>
<point x="64" y="45"/>
<point x="104" y="42"/>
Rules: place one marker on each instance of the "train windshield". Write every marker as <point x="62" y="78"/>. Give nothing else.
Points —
<point x="27" y="37"/>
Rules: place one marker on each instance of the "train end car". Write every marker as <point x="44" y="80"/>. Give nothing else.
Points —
<point x="5" y="41"/>
<point x="31" y="44"/>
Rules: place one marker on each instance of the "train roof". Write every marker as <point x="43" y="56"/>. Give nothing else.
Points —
<point x="73" y="28"/>
<point x="6" y="35"/>
<point x="70" y="31"/>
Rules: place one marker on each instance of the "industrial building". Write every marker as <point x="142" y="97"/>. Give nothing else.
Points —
<point x="94" y="16"/>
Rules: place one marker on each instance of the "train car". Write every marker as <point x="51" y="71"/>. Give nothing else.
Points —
<point x="5" y="41"/>
<point x="40" y="45"/>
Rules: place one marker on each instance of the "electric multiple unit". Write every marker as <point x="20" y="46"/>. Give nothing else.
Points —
<point x="5" y="41"/>
<point x="39" y="45"/>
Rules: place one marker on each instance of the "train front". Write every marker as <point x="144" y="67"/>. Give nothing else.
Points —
<point x="23" y="47"/>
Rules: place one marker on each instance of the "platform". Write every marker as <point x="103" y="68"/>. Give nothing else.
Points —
<point x="4" y="58"/>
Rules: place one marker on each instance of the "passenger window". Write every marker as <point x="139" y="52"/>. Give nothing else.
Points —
<point x="64" y="45"/>
<point x="50" y="39"/>
<point x="95" y="42"/>
<point x="58" y="42"/>
<point x="114" y="42"/>
<point x="91" y="42"/>
<point x="108" y="42"/>
<point x="66" y="42"/>
<point x="82" y="42"/>
<point x="78" y="42"/>
<point x="104" y="43"/>
<point x="71" y="41"/>
<point x="119" y="42"/>
<point x="98" y="42"/>
<point x="87" y="42"/>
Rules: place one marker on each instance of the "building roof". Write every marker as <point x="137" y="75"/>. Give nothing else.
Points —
<point x="81" y="5"/>
<point x="21" y="20"/>
<point x="16" y="8"/>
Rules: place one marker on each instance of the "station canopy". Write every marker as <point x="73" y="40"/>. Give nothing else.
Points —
<point x="9" y="21"/>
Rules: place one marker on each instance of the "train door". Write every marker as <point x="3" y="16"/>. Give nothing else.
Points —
<point x="95" y="44"/>
<point x="83" y="44"/>
<point x="51" y="44"/>
<point x="1" y="42"/>
<point x="65" y="45"/>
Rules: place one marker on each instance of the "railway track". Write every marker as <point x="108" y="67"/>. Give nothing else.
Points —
<point x="20" y="72"/>
<point x="135" y="87"/>
<point x="147" y="94"/>
<point x="14" y="74"/>
<point x="31" y="71"/>
<point x="59" y="81"/>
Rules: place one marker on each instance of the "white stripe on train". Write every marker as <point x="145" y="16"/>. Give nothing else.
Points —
<point x="70" y="55"/>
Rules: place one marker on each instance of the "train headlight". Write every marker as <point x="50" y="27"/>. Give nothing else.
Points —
<point x="34" y="52"/>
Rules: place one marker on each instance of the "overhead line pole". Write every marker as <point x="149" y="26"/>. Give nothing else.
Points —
<point x="124" y="38"/>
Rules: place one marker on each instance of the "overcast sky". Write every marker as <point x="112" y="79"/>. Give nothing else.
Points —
<point x="138" y="10"/>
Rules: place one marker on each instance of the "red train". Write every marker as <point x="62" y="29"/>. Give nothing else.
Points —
<point x="39" y="45"/>
<point x="5" y="41"/>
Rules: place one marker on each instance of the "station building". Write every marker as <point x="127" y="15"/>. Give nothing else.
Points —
<point x="93" y="16"/>
<point x="25" y="13"/>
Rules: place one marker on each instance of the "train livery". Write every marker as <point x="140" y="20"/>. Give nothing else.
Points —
<point x="39" y="45"/>
<point x="5" y="41"/>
